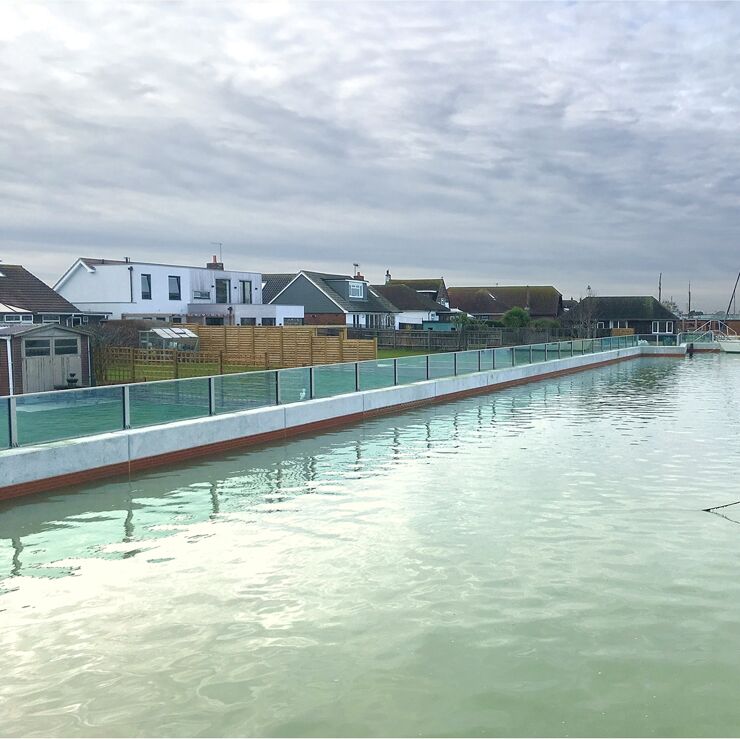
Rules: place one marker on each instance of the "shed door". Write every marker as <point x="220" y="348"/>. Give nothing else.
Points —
<point x="49" y="361"/>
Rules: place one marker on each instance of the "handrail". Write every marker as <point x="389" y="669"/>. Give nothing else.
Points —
<point x="196" y="397"/>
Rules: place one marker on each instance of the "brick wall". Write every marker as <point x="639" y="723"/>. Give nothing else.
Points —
<point x="324" y="319"/>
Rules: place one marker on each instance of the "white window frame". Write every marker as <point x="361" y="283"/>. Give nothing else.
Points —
<point x="600" y="324"/>
<point x="75" y="353"/>
<point x="12" y="318"/>
<point x="353" y="289"/>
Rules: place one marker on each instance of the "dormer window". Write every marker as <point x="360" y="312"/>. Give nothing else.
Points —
<point x="355" y="290"/>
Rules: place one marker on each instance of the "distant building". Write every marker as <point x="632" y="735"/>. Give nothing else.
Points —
<point x="25" y="299"/>
<point x="208" y="295"/>
<point x="490" y="303"/>
<point x="331" y="299"/>
<point x="433" y="288"/>
<point x="413" y="308"/>
<point x="641" y="313"/>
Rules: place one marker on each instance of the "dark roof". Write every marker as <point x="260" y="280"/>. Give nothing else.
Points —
<point x="631" y="307"/>
<point x="273" y="284"/>
<point x="13" y="329"/>
<point x="542" y="300"/>
<point x="404" y="298"/>
<point x="373" y="304"/>
<point x="20" y="288"/>
<point x="433" y="284"/>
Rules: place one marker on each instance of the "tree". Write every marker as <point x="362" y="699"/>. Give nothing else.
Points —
<point x="516" y="318"/>
<point x="672" y="306"/>
<point x="584" y="315"/>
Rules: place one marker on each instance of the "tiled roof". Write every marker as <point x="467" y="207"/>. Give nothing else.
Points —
<point x="542" y="300"/>
<point x="374" y="303"/>
<point x="631" y="307"/>
<point x="433" y="284"/>
<point x="405" y="298"/>
<point x="18" y="287"/>
<point x="273" y="284"/>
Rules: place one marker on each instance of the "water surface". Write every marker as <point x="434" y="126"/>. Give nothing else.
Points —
<point x="530" y="562"/>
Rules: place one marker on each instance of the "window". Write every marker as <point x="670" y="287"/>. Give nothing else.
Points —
<point x="268" y="321"/>
<point x="146" y="287"/>
<point x="355" y="320"/>
<point x="175" y="319"/>
<point x="248" y="321"/>
<point x="293" y="321"/>
<point x="51" y="319"/>
<point x="27" y="318"/>
<point x="201" y="294"/>
<point x="669" y="327"/>
<point x="245" y="291"/>
<point x="173" y="282"/>
<point x="12" y="318"/>
<point x="66" y="346"/>
<point x="223" y="288"/>
<point x="214" y="320"/>
<point x="37" y="347"/>
<point x="600" y="324"/>
<point x="355" y="290"/>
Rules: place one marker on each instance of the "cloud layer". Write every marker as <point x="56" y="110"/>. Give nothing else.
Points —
<point x="568" y="144"/>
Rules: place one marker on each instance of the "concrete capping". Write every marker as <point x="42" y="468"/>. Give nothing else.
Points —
<point x="49" y="466"/>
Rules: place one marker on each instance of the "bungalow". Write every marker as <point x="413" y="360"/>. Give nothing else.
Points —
<point x="641" y="313"/>
<point x="414" y="308"/>
<point x="25" y="299"/>
<point x="330" y="299"/>
<point x="433" y="288"/>
<point x="42" y="356"/>
<point x="490" y="303"/>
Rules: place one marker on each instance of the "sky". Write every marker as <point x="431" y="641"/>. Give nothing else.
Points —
<point x="572" y="144"/>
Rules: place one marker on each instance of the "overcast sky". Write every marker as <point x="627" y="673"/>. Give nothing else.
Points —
<point x="545" y="143"/>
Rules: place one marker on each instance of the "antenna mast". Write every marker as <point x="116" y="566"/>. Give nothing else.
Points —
<point x="732" y="297"/>
<point x="660" y="287"/>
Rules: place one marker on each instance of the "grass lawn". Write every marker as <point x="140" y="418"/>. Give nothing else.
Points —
<point x="386" y="353"/>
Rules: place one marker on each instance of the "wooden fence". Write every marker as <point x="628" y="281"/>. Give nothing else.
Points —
<point x="285" y="346"/>
<point x="228" y="349"/>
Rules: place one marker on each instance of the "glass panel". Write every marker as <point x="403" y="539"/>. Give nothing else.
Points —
<point x="295" y="384"/>
<point x="553" y="351"/>
<point x="223" y="290"/>
<point x="411" y="369"/>
<point x="37" y="347"/>
<point x="334" y="379"/>
<point x="66" y="414"/>
<point x="167" y="401"/>
<point x="441" y="365"/>
<point x="486" y="359"/>
<point x="521" y="355"/>
<point x="243" y="391"/>
<point x="146" y="287"/>
<point x="375" y="374"/>
<point x="4" y="420"/>
<point x="538" y="352"/>
<point x="66" y="346"/>
<point x="174" y="287"/>
<point x="467" y="362"/>
<point x="503" y="357"/>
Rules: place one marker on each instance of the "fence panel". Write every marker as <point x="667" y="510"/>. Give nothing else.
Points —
<point x="164" y="402"/>
<point x="241" y="392"/>
<point x="375" y="374"/>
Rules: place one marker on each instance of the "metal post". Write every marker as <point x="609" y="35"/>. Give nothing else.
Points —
<point x="479" y="367"/>
<point x="428" y="365"/>
<point x="571" y="347"/>
<point x="311" y="384"/>
<point x="513" y="356"/>
<point x="126" y="401"/>
<point x="12" y="421"/>
<point x="531" y="355"/>
<point x="211" y="396"/>
<point x="277" y="387"/>
<point x="493" y="359"/>
<point x="454" y="363"/>
<point x="545" y="351"/>
<point x="357" y="377"/>
<point x="560" y="349"/>
<point x="395" y="372"/>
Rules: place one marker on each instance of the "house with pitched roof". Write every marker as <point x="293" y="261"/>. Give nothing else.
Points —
<point x="25" y="299"/>
<point x="332" y="299"/>
<point x="490" y="303"/>
<point x="433" y="288"/>
<point x="413" y="308"/>
<point x="644" y="314"/>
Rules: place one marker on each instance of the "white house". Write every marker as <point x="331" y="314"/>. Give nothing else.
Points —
<point x="209" y="295"/>
<point x="413" y="308"/>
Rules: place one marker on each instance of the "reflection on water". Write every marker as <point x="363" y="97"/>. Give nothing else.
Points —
<point x="530" y="562"/>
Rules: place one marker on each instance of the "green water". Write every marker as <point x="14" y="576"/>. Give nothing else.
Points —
<point x="531" y="562"/>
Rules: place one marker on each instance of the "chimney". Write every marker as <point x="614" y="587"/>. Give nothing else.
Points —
<point x="387" y="276"/>
<point x="215" y="264"/>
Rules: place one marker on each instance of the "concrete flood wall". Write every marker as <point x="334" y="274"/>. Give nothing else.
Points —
<point x="53" y="465"/>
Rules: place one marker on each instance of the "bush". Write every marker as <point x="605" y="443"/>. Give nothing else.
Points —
<point x="516" y="318"/>
<point x="546" y="323"/>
